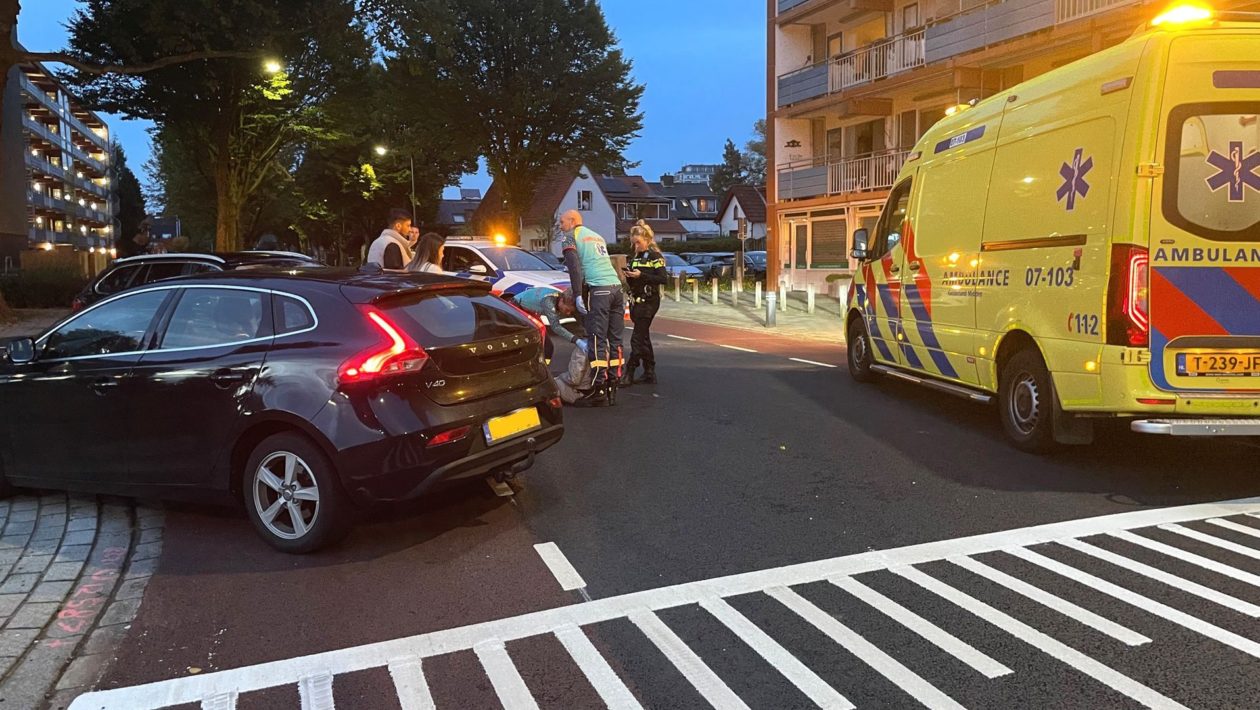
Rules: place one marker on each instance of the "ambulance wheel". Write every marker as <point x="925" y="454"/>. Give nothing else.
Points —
<point x="1025" y="402"/>
<point x="860" y="356"/>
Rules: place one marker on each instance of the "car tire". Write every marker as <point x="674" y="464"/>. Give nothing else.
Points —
<point x="1026" y="402"/>
<point x="861" y="357"/>
<point x="287" y="479"/>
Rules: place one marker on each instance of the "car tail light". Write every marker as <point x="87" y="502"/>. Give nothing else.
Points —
<point x="396" y="354"/>
<point x="77" y="304"/>
<point x="449" y="436"/>
<point x="1128" y="304"/>
<point x="542" y="327"/>
<point x="556" y="403"/>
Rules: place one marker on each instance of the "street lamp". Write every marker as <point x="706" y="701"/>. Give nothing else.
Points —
<point x="272" y="66"/>
<point x="383" y="151"/>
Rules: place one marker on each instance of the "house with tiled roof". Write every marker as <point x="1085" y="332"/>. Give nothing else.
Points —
<point x="632" y="198"/>
<point x="743" y="202"/>
<point x="456" y="216"/>
<point x="695" y="206"/>
<point x="563" y="188"/>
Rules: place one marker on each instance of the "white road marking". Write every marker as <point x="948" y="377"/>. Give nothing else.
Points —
<point x="713" y="688"/>
<point x="736" y="347"/>
<point x="1236" y="527"/>
<point x="939" y="637"/>
<point x="679" y="337"/>
<point x="1149" y="605"/>
<point x="1213" y="540"/>
<point x="1099" y="672"/>
<point x="223" y="701"/>
<point x="560" y="566"/>
<point x="298" y="671"/>
<point x="507" y="681"/>
<point x="812" y="362"/>
<point x="807" y="681"/>
<point x="1171" y="580"/>
<point x="315" y="691"/>
<point x="412" y="688"/>
<point x="611" y="690"/>
<point x="1048" y="600"/>
<point x="868" y="653"/>
<point x="1180" y="554"/>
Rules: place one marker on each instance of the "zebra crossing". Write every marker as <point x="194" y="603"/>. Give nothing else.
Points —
<point x="1115" y="559"/>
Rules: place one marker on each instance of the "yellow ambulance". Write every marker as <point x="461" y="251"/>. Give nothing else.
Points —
<point x="1084" y="245"/>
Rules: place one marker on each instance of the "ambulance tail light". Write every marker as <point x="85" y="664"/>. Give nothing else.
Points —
<point x="1128" y="307"/>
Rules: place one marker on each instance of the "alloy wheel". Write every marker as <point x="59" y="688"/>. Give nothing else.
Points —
<point x="286" y="495"/>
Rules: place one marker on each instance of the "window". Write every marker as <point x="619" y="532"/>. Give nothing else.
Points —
<point x="888" y="233"/>
<point x="458" y="259"/>
<point x="585" y="200"/>
<point x="117" y="280"/>
<point x="706" y="205"/>
<point x="161" y="270"/>
<point x="907" y="129"/>
<point x="1213" y="184"/>
<point x="910" y="16"/>
<point x="206" y="317"/>
<point x="457" y="219"/>
<point x="196" y="267"/>
<point x="835" y="44"/>
<point x="657" y="210"/>
<point x="512" y="259"/>
<point x="442" y="320"/>
<point x="116" y="327"/>
<point x="292" y="315"/>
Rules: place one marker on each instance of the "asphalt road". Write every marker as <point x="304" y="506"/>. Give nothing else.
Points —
<point x="737" y="461"/>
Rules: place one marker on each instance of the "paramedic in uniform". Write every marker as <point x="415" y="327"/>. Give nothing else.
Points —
<point x="646" y="275"/>
<point x="551" y="306"/>
<point x="586" y="258"/>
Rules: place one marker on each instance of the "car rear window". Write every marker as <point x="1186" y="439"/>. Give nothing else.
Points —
<point x="1212" y="187"/>
<point x="442" y="319"/>
<point x="117" y="280"/>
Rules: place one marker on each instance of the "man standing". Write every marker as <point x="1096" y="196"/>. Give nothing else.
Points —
<point x="392" y="250"/>
<point x="586" y="257"/>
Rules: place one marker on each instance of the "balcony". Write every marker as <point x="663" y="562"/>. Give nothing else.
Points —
<point x="1069" y="10"/>
<point x="861" y="66"/>
<point x="41" y="130"/>
<point x="785" y="5"/>
<point x="39" y="95"/>
<point x="78" y="125"/>
<point x="818" y="178"/>
<point x="37" y="234"/>
<point x="43" y="167"/>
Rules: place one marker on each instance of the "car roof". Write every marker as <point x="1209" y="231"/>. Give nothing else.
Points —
<point x="233" y="258"/>
<point x="358" y="285"/>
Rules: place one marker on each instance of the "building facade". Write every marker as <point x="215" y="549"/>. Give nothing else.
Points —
<point x="57" y="189"/>
<point x="696" y="173"/>
<point x="853" y="85"/>
<point x="695" y="206"/>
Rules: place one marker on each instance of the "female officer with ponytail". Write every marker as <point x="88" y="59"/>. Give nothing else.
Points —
<point x="645" y="275"/>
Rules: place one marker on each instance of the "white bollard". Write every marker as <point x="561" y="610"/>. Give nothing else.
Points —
<point x="771" y="311"/>
<point x="695" y="291"/>
<point x="783" y="297"/>
<point x="736" y="287"/>
<point x="677" y="288"/>
<point x="757" y="296"/>
<point x="809" y="298"/>
<point x="714" y="285"/>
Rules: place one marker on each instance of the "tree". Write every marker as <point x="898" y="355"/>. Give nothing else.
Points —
<point x="754" y="156"/>
<point x="730" y="172"/>
<point x="131" y="206"/>
<point x="234" y="119"/>
<point x="535" y="84"/>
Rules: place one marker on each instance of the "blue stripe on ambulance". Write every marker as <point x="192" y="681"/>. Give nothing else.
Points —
<point x="927" y="333"/>
<point x="872" y="325"/>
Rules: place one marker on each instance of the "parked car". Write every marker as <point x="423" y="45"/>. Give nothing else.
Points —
<point x="678" y="266"/>
<point x="304" y="393"/>
<point x="550" y="259"/>
<point x="713" y="264"/>
<point x="755" y="265"/>
<point x="135" y="271"/>
<point x="508" y="269"/>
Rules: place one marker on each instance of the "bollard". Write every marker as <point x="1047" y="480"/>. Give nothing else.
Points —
<point x="695" y="291"/>
<point x="757" y="297"/>
<point x="809" y="298"/>
<point x="736" y="287"/>
<point x="677" y="288"/>
<point x="770" y="310"/>
<point x="783" y="297"/>
<point x="714" y="286"/>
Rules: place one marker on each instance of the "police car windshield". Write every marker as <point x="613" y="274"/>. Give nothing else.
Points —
<point x="513" y="259"/>
<point x="675" y="260"/>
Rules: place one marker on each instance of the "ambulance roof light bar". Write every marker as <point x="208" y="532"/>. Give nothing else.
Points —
<point x="1182" y="14"/>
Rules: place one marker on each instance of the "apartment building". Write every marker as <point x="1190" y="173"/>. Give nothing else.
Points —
<point x="55" y="186"/>
<point x="853" y="84"/>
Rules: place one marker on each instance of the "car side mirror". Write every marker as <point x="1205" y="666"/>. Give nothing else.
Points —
<point x="478" y="269"/>
<point x="21" y="351"/>
<point x="860" y="238"/>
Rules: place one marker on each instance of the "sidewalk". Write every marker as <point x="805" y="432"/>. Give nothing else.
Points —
<point x="32" y="321"/>
<point x="824" y="324"/>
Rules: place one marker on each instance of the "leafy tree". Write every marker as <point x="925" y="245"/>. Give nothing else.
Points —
<point x="754" y="156"/>
<point x="534" y="84"/>
<point x="237" y="120"/>
<point x="730" y="172"/>
<point x="131" y="205"/>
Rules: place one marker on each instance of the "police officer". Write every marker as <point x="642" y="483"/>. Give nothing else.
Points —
<point x="645" y="275"/>
<point x="586" y="257"/>
<point x="551" y="306"/>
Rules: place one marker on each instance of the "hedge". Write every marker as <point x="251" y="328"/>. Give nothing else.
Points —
<point x="42" y="288"/>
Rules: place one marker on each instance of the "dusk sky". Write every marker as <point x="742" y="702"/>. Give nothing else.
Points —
<point x="703" y="62"/>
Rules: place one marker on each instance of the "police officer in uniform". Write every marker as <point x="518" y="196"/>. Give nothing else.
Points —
<point x="646" y="274"/>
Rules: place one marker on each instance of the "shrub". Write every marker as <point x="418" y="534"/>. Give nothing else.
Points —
<point x="42" y="287"/>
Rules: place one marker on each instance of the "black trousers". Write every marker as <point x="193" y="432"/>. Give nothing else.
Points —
<point x="641" y="340"/>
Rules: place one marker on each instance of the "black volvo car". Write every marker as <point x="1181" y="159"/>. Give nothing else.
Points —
<point x="304" y="393"/>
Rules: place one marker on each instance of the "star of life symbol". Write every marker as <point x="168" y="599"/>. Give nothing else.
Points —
<point x="1073" y="175"/>
<point x="1235" y="171"/>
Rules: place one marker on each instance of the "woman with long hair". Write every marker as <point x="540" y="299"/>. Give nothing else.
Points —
<point x="646" y="275"/>
<point x="427" y="257"/>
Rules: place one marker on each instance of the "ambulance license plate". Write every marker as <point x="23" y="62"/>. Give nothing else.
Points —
<point x="509" y="425"/>
<point x="1223" y="363"/>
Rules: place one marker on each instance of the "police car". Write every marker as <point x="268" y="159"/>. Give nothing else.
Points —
<point x="509" y="269"/>
<point x="1084" y="245"/>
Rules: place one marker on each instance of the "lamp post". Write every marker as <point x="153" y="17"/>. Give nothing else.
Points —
<point x="383" y="151"/>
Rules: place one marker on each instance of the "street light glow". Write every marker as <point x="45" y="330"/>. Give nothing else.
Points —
<point x="272" y="66"/>
<point x="381" y="150"/>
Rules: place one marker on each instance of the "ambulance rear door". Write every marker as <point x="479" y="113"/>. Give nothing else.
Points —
<point x="1204" y="256"/>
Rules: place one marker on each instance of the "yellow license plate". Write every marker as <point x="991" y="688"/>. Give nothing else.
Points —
<point x="1218" y="363"/>
<point x="510" y="425"/>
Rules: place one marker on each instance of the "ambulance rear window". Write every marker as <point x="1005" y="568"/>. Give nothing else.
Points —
<point x="1212" y="180"/>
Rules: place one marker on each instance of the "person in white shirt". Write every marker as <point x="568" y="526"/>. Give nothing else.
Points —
<point x="392" y="250"/>
<point x="428" y="256"/>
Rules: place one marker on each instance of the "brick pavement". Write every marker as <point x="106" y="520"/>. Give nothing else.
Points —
<point x="73" y="570"/>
